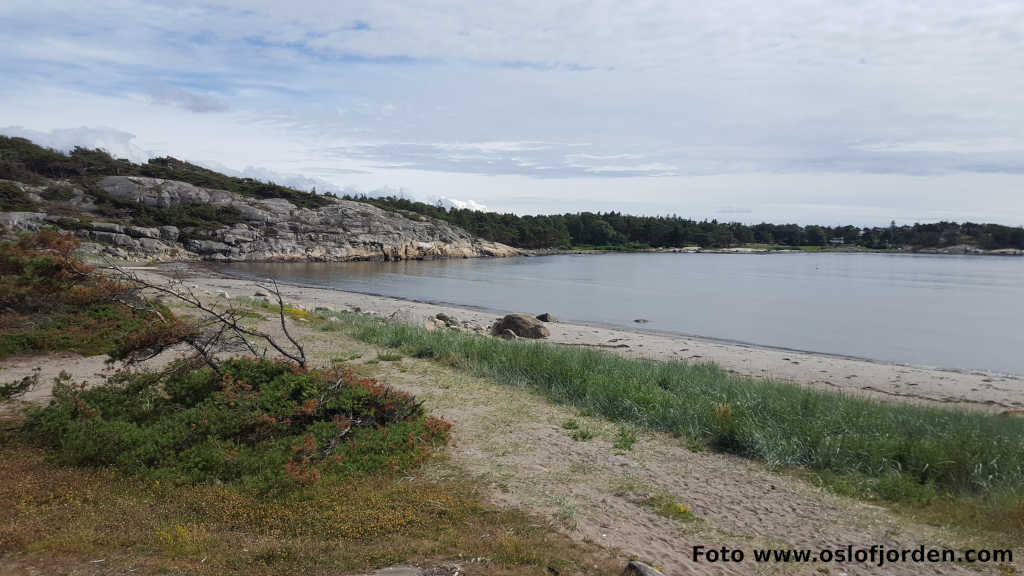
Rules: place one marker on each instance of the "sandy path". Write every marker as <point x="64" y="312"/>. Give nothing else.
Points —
<point x="82" y="369"/>
<point x="890" y="382"/>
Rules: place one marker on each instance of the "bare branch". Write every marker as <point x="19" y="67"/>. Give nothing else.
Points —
<point x="228" y="320"/>
<point x="280" y="308"/>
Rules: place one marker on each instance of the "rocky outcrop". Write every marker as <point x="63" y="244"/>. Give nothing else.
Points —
<point x="275" y="229"/>
<point x="520" y="325"/>
<point x="23" y="221"/>
<point x="270" y="229"/>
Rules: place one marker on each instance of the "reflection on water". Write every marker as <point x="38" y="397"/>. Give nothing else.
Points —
<point x="948" y="311"/>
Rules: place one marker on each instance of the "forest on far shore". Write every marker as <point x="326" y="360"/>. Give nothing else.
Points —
<point x="614" y="229"/>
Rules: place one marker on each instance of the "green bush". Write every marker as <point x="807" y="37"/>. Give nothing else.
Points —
<point x="50" y="301"/>
<point x="58" y="193"/>
<point x="261" y="423"/>
<point x="14" y="199"/>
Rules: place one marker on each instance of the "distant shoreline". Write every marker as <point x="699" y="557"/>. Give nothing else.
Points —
<point x="950" y="251"/>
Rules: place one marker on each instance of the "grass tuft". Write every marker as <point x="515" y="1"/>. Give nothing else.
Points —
<point x="624" y="439"/>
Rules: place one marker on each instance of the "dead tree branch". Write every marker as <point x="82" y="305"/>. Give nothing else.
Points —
<point x="225" y="323"/>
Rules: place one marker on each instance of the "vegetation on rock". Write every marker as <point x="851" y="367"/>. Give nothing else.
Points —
<point x="23" y="161"/>
<point x="14" y="199"/>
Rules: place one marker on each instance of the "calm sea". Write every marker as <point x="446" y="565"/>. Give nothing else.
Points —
<point x="962" y="312"/>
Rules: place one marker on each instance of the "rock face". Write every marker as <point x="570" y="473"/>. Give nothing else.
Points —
<point x="275" y="229"/>
<point x="272" y="229"/>
<point x="522" y="325"/>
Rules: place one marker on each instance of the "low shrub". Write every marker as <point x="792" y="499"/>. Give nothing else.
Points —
<point x="262" y="423"/>
<point x="51" y="301"/>
<point x="58" y="193"/>
<point x="14" y="199"/>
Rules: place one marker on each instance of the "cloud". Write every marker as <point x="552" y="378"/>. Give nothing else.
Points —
<point x="461" y="204"/>
<point x="192" y="101"/>
<point x="117" y="143"/>
<point x="296" y="181"/>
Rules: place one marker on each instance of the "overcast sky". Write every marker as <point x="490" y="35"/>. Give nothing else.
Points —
<point x="787" y="111"/>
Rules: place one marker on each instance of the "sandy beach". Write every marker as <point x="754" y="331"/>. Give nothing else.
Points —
<point x="889" y="382"/>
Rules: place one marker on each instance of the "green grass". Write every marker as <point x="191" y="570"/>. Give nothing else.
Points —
<point x="666" y="505"/>
<point x="625" y="439"/>
<point x="892" y="450"/>
<point x="582" y="434"/>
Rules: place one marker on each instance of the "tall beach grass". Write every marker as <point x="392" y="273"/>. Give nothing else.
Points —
<point x="901" y="451"/>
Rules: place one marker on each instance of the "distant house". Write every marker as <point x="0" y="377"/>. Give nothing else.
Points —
<point x="837" y="241"/>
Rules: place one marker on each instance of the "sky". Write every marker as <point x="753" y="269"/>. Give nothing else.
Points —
<point x="847" y="112"/>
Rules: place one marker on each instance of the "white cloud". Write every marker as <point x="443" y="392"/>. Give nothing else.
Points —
<point x="117" y="143"/>
<point x="461" y="204"/>
<point x="296" y="181"/>
<point x="197" y="102"/>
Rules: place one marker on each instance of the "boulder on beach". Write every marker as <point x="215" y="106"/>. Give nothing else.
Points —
<point x="545" y="317"/>
<point x="449" y="321"/>
<point x="522" y="325"/>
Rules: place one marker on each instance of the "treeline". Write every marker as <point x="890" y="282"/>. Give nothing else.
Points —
<point x="613" y="229"/>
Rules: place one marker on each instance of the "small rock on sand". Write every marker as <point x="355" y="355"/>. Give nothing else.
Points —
<point x="545" y="317"/>
<point x="636" y="568"/>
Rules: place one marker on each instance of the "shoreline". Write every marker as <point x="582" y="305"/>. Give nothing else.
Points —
<point x="974" y="390"/>
<point x="951" y="251"/>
